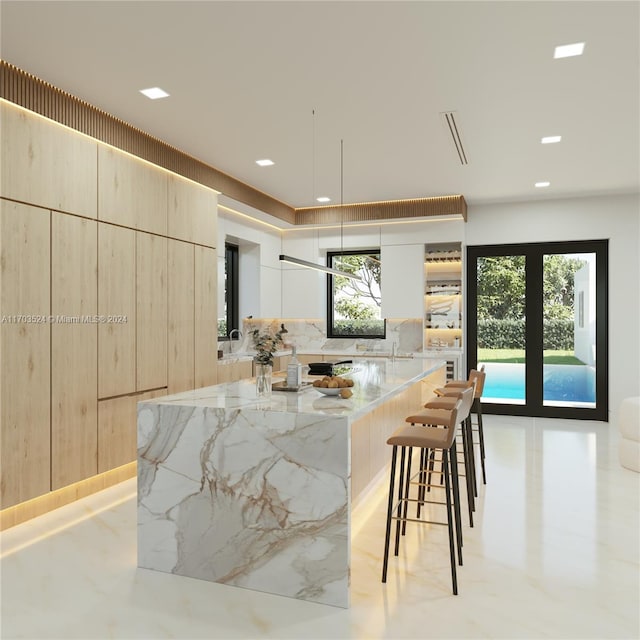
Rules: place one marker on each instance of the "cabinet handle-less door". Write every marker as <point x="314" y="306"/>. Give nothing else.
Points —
<point x="74" y="347"/>
<point x="25" y="346"/>
<point x="117" y="304"/>
<point x="181" y="313"/>
<point x="151" y="311"/>
<point x="205" y="321"/>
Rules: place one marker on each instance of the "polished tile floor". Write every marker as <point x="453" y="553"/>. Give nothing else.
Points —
<point x="554" y="554"/>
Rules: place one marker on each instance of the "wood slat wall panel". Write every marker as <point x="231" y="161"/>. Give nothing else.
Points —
<point x="393" y="209"/>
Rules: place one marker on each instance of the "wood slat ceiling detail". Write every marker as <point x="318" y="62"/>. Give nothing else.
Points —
<point x="27" y="91"/>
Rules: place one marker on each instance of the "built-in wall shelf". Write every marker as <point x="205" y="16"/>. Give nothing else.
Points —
<point x="443" y="310"/>
<point x="443" y="296"/>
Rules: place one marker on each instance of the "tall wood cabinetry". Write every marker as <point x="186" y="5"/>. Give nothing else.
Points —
<point x="74" y="349"/>
<point x="25" y="347"/>
<point x="107" y="297"/>
<point x="443" y="304"/>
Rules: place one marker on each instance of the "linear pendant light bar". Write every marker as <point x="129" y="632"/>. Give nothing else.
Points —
<point x="318" y="267"/>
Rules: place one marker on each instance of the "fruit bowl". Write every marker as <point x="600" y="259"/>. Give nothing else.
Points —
<point x="327" y="391"/>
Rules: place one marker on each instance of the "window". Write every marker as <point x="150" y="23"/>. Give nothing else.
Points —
<point x="353" y="306"/>
<point x="230" y="317"/>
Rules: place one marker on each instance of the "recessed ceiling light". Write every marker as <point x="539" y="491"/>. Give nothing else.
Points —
<point x="568" y="50"/>
<point x="323" y="199"/>
<point x="265" y="163"/>
<point x="154" y="93"/>
<point x="542" y="184"/>
<point x="550" y="139"/>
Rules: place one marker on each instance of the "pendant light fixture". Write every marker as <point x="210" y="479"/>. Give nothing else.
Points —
<point x="312" y="265"/>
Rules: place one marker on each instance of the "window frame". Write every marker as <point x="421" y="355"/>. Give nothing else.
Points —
<point x="232" y="287"/>
<point x="534" y="253"/>
<point x="331" y="333"/>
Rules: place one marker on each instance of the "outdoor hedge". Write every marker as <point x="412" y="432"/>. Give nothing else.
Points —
<point x="509" y="334"/>
<point x="370" y="327"/>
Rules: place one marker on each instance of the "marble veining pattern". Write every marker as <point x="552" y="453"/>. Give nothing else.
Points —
<point x="404" y="335"/>
<point x="255" y="492"/>
<point x="248" y="498"/>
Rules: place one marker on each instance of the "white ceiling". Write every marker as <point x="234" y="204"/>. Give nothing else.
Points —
<point x="244" y="78"/>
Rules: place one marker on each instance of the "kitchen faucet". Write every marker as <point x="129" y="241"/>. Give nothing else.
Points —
<point x="231" y="338"/>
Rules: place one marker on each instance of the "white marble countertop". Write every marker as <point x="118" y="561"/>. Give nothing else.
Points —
<point x="376" y="380"/>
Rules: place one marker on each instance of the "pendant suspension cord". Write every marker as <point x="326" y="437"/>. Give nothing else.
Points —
<point x="313" y="156"/>
<point x="341" y="199"/>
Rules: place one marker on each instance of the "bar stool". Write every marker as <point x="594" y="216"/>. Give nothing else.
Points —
<point x="479" y="378"/>
<point x="425" y="438"/>
<point x="448" y="402"/>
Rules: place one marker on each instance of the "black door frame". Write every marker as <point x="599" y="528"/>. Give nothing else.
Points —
<point x="533" y="253"/>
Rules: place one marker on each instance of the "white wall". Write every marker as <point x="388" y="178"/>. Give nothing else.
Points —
<point x="584" y="286"/>
<point x="260" y="273"/>
<point x="402" y="279"/>
<point x="300" y="293"/>
<point x="616" y="218"/>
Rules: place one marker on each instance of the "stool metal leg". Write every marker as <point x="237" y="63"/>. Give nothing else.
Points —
<point x="467" y="474"/>
<point x="452" y="552"/>
<point x="406" y="491"/>
<point x="456" y="499"/>
<point x="478" y="408"/>
<point x="472" y="456"/>
<point x="399" y="513"/>
<point x="394" y="456"/>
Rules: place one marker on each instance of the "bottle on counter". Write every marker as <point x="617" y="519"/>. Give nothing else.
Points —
<point x="294" y="370"/>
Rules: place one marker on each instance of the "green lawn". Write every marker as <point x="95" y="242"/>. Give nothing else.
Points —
<point x="517" y="355"/>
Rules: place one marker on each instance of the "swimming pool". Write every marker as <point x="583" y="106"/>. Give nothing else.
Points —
<point x="562" y="384"/>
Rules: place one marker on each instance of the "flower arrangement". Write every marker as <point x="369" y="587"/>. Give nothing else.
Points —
<point x="266" y="344"/>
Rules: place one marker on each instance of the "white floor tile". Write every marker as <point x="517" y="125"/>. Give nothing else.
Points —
<point x="553" y="554"/>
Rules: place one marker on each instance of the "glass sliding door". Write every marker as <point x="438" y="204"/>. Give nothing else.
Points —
<point x="537" y="322"/>
<point x="569" y="330"/>
<point x="501" y="321"/>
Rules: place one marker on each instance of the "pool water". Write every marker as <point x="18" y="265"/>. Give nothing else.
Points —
<point x="562" y="383"/>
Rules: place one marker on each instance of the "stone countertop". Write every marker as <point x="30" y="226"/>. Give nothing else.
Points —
<point x="376" y="380"/>
<point x="348" y="352"/>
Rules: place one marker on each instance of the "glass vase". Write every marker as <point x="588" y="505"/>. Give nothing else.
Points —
<point x="263" y="379"/>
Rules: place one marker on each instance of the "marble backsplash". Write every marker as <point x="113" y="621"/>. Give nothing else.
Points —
<point x="403" y="335"/>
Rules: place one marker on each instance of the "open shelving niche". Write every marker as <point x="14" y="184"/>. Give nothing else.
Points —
<point x="443" y="310"/>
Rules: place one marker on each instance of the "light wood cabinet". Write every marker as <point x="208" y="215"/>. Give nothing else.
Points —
<point x="117" y="429"/>
<point x="151" y="311"/>
<point x="45" y="164"/>
<point x="24" y="353"/>
<point x="74" y="347"/>
<point x="206" y="317"/>
<point x="132" y="192"/>
<point x="192" y="211"/>
<point x="117" y="305"/>
<point x="235" y="370"/>
<point x="181" y="316"/>
<point x="117" y="439"/>
<point x="89" y="256"/>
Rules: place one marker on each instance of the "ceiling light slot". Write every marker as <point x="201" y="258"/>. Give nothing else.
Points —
<point x="450" y="121"/>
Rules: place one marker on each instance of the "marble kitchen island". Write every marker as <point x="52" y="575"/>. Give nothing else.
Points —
<point x="257" y="492"/>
